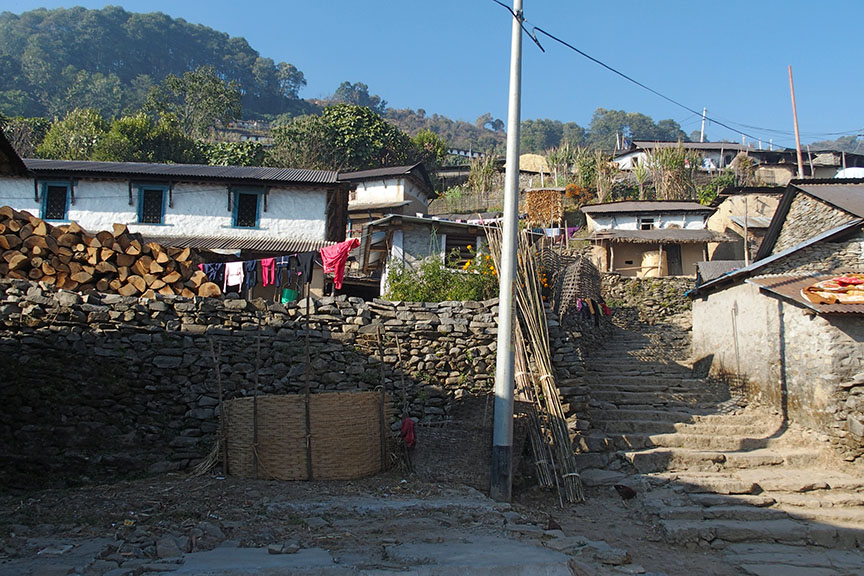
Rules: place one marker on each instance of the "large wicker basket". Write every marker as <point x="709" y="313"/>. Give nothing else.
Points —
<point x="346" y="436"/>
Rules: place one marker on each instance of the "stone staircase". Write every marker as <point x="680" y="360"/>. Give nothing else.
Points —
<point x="713" y="472"/>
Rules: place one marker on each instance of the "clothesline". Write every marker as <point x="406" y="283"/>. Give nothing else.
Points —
<point x="244" y="274"/>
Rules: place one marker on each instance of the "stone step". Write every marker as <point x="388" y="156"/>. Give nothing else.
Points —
<point x="650" y="384"/>
<point x="814" y="478"/>
<point x="848" y="517"/>
<point x="762" y="559"/>
<point x="783" y="530"/>
<point x="834" y="498"/>
<point x="664" y="427"/>
<point x="654" y="398"/>
<point x="695" y="482"/>
<point x="712" y="442"/>
<point x="649" y="414"/>
<point x="741" y="512"/>
<point x="676" y="459"/>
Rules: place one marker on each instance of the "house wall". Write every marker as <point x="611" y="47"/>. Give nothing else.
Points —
<point x="624" y="252"/>
<point x="803" y="364"/>
<point x="625" y="221"/>
<point x="807" y="218"/>
<point x="199" y="209"/>
<point x="775" y="175"/>
<point x="393" y="190"/>
<point x="757" y="205"/>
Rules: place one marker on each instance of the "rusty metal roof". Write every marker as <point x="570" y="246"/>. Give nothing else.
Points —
<point x="275" y="245"/>
<point x="193" y="172"/>
<point x="789" y="287"/>
<point x="646" y="206"/>
<point x="373" y="206"/>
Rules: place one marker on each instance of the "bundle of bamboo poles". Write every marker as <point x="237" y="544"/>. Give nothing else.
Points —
<point x="538" y="382"/>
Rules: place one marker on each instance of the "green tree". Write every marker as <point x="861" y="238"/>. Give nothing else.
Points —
<point x="26" y="134"/>
<point x="75" y="137"/>
<point x="540" y="135"/>
<point x="344" y="137"/>
<point x="432" y="149"/>
<point x="358" y="95"/>
<point x="200" y="101"/>
<point x="245" y="153"/>
<point x="607" y="124"/>
<point x="139" y="139"/>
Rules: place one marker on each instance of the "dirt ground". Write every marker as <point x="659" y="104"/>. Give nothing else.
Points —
<point x="158" y="518"/>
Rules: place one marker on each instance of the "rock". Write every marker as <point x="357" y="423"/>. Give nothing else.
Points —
<point x="167" y="547"/>
<point x="314" y="522"/>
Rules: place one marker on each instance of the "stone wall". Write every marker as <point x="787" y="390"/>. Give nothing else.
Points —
<point x="654" y="298"/>
<point x="821" y="258"/>
<point x="808" y="217"/>
<point x="100" y="385"/>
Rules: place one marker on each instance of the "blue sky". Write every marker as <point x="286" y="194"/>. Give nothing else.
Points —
<point x="451" y="57"/>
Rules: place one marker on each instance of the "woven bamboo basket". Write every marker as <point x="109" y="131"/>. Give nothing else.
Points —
<point x="345" y="436"/>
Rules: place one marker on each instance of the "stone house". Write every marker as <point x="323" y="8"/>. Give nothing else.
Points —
<point x="260" y="210"/>
<point x="403" y="190"/>
<point x="756" y="325"/>
<point x="649" y="238"/>
<point x="740" y="211"/>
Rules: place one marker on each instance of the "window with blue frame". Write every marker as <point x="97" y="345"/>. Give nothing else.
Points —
<point x="55" y="200"/>
<point x="151" y="204"/>
<point x="246" y="208"/>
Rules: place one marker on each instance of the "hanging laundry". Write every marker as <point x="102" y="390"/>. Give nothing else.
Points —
<point x="268" y="271"/>
<point x="215" y="272"/>
<point x="334" y="258"/>
<point x="407" y="432"/>
<point x="606" y="310"/>
<point x="578" y="304"/>
<point x="306" y="263"/>
<point x="233" y="275"/>
<point x="250" y="275"/>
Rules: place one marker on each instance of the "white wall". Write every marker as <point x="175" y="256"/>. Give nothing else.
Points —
<point x="198" y="209"/>
<point x="631" y="221"/>
<point x="392" y="190"/>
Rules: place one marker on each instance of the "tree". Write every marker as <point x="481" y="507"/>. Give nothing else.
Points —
<point x="606" y="125"/>
<point x="246" y="153"/>
<point x="431" y="148"/>
<point x="291" y="80"/>
<point x="539" y="135"/>
<point x="358" y="95"/>
<point x="139" y="139"/>
<point x="200" y="100"/>
<point x="26" y="134"/>
<point x="344" y="137"/>
<point x="75" y="137"/>
<point x="487" y="122"/>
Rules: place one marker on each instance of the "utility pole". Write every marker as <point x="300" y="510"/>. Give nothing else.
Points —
<point x="501" y="474"/>
<point x="702" y="132"/>
<point x="795" y="118"/>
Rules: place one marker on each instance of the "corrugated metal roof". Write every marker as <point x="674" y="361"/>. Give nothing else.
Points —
<point x="378" y="172"/>
<point x="790" y="287"/>
<point x="248" y="174"/>
<point x="844" y="195"/>
<point x="661" y="235"/>
<point x="747" y="271"/>
<point x="707" y="271"/>
<point x="283" y="245"/>
<point x="646" y="206"/>
<point x="752" y="221"/>
<point x="648" y="145"/>
<point x="361" y="207"/>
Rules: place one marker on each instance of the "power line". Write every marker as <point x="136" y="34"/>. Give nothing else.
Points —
<point x="533" y="36"/>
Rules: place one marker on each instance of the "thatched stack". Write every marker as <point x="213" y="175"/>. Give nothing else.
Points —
<point x="116" y="261"/>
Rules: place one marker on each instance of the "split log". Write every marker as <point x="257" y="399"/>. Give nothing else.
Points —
<point x="138" y="282"/>
<point x="209" y="290"/>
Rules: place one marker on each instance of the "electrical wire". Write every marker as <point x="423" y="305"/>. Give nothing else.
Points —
<point x="713" y="120"/>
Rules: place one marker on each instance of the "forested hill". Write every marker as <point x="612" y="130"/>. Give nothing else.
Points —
<point x="55" y="60"/>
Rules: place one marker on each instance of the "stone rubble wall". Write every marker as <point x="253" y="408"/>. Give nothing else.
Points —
<point x="808" y="217"/>
<point x="101" y="385"/>
<point x="655" y="299"/>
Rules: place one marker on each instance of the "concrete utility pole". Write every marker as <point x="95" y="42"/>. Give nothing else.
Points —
<point x="795" y="118"/>
<point x="501" y="474"/>
<point x="702" y="132"/>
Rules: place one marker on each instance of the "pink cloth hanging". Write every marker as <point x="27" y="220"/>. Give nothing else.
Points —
<point x="334" y="258"/>
<point x="268" y="271"/>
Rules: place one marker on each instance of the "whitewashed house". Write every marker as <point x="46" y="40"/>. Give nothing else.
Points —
<point x="649" y="238"/>
<point x="403" y="190"/>
<point x="257" y="210"/>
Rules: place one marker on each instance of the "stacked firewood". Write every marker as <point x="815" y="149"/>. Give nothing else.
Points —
<point x="117" y="261"/>
<point x="544" y="207"/>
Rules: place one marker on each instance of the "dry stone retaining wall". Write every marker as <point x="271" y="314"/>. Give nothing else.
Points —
<point x="654" y="298"/>
<point x="100" y="385"/>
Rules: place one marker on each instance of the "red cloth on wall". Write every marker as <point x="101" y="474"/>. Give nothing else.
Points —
<point x="407" y="432"/>
<point x="334" y="258"/>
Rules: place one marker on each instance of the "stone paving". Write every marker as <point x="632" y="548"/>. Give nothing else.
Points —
<point x="716" y="473"/>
